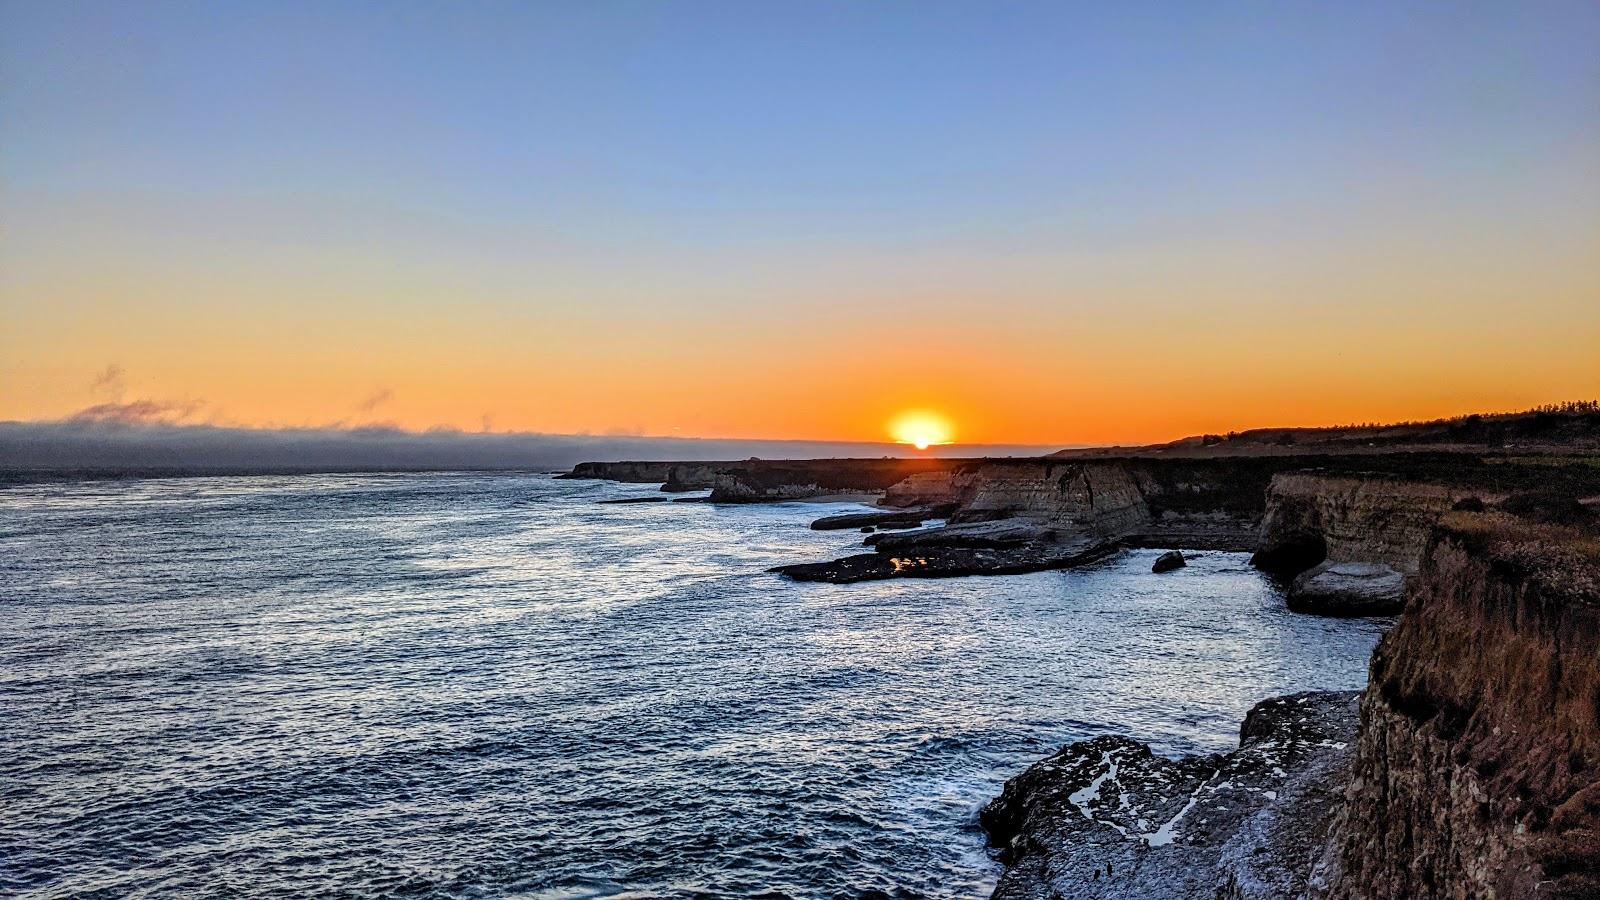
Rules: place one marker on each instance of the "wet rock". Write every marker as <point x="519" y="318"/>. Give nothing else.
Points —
<point x="949" y="562"/>
<point x="1348" y="589"/>
<point x="1166" y="562"/>
<point x="1107" y="818"/>
<point x="907" y="518"/>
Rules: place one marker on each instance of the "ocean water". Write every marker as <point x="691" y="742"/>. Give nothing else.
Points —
<point x="492" y="685"/>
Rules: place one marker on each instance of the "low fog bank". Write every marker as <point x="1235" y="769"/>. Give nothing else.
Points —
<point x="68" y="446"/>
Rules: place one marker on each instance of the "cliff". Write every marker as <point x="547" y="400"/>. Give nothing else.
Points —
<point x="1184" y="502"/>
<point x="1312" y="517"/>
<point x="629" y="472"/>
<point x="672" y="476"/>
<point x="1477" y="769"/>
<point x="1473" y="771"/>
<point x="1091" y="498"/>
<point x="1555" y="429"/>
<point x="692" y="476"/>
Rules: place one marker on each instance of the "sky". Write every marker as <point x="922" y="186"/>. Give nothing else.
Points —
<point x="1048" y="223"/>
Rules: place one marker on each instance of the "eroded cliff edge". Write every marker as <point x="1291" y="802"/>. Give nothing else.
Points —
<point x="1477" y="768"/>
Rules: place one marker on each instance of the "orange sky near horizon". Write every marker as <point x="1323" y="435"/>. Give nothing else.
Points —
<point x="1052" y="225"/>
<point x="1150" y="366"/>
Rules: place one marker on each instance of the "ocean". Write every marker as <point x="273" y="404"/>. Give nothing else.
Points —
<point x="492" y="685"/>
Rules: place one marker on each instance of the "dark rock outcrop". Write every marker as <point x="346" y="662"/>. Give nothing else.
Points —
<point x="948" y="561"/>
<point x="1348" y="589"/>
<point x="1107" y="818"/>
<point x="672" y="476"/>
<point x="1168" y="561"/>
<point x="1477" y="770"/>
<point x="627" y="472"/>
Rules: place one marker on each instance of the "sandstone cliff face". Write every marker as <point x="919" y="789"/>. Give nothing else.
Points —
<point x="1193" y="504"/>
<point x="1477" y="771"/>
<point x="1093" y="498"/>
<point x="1310" y="517"/>
<point x="923" y="489"/>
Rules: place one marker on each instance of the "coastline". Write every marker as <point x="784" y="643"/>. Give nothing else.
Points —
<point x="1289" y="812"/>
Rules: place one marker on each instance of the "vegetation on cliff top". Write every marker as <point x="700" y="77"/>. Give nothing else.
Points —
<point x="1563" y="558"/>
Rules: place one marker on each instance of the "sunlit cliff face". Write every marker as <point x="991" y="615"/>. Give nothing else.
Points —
<point x="921" y="429"/>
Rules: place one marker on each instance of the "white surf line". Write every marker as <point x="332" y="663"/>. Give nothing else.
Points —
<point x="1081" y="797"/>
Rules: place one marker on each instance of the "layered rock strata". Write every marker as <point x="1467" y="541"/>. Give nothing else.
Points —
<point x="1310" y="518"/>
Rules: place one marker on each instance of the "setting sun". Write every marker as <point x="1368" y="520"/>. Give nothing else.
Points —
<point x="921" y="429"/>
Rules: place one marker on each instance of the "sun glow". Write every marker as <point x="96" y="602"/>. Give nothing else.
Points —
<point x="921" y="429"/>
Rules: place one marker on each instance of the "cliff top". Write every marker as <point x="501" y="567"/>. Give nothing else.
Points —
<point x="1560" y="428"/>
<point x="1561" y="558"/>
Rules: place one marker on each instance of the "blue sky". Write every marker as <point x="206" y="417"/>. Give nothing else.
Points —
<point x="693" y="161"/>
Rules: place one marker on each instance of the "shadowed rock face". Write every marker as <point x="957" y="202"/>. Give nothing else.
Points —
<point x="1107" y="818"/>
<point x="627" y="472"/>
<point x="1478" y="764"/>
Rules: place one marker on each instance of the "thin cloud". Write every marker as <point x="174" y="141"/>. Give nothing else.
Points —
<point x="374" y="400"/>
<point x="134" y="413"/>
<point x="109" y="382"/>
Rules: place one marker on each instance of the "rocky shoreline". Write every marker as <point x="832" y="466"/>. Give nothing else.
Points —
<point x="1468" y="767"/>
<point x="1472" y="768"/>
<point x="1108" y="818"/>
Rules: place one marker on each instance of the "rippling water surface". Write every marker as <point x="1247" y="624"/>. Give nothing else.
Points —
<point x="491" y="685"/>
